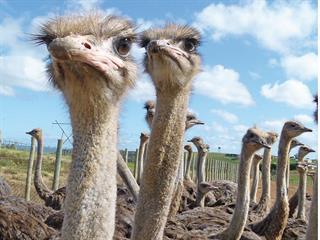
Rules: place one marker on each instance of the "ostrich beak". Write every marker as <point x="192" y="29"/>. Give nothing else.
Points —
<point x="189" y="141"/>
<point x="29" y="132"/>
<point x="198" y="122"/>
<point x="311" y="150"/>
<point x="78" y="48"/>
<point x="305" y="129"/>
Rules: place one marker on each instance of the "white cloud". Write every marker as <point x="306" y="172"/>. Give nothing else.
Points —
<point x="261" y="19"/>
<point x="229" y="117"/>
<point x="240" y="128"/>
<point x="143" y="90"/>
<point x="273" y="125"/>
<point x="303" y="118"/>
<point x="6" y="91"/>
<point x="291" y="92"/>
<point x="273" y="62"/>
<point x="23" y="71"/>
<point x="254" y="75"/>
<point x="222" y="84"/>
<point x="303" y="67"/>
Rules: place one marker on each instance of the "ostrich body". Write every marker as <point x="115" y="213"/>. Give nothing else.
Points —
<point x="53" y="199"/>
<point x="263" y="204"/>
<point x="172" y="62"/>
<point x="255" y="177"/>
<point x="273" y="225"/>
<point x="144" y="137"/>
<point x="294" y="200"/>
<point x="90" y="55"/>
<point x="294" y="143"/>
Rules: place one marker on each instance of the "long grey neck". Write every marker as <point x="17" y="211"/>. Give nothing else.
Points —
<point x="164" y="151"/>
<point x="41" y="188"/>
<point x="91" y="190"/>
<point x="266" y="161"/>
<point x="302" y="195"/>
<point x="255" y="181"/>
<point x="187" y="174"/>
<point x="283" y="154"/>
<point x="200" y="176"/>
<point x="312" y="231"/>
<point x="240" y="214"/>
<point x="141" y="160"/>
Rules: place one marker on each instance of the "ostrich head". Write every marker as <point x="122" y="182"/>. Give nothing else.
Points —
<point x="188" y="148"/>
<point x="206" y="187"/>
<point x="144" y="137"/>
<point x="304" y="150"/>
<point x="293" y="129"/>
<point x="257" y="158"/>
<point x="171" y="55"/>
<point x="255" y="139"/>
<point x="89" y="54"/>
<point x="295" y="143"/>
<point x="272" y="137"/>
<point x="36" y="133"/>
<point x="197" y="141"/>
<point x="302" y="167"/>
<point x="192" y="120"/>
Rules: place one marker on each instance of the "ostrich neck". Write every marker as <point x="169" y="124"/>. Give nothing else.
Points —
<point x="283" y="154"/>
<point x="164" y="151"/>
<point x="240" y="214"/>
<point x="255" y="180"/>
<point x="266" y="174"/>
<point x="91" y="189"/>
<point x="187" y="174"/>
<point x="40" y="186"/>
<point x="302" y="195"/>
<point x="141" y="160"/>
<point x="200" y="177"/>
<point x="312" y="231"/>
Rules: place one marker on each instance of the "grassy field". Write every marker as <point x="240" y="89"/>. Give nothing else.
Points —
<point x="14" y="163"/>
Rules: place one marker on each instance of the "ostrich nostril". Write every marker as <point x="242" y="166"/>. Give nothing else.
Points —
<point x="168" y="43"/>
<point x="86" y="45"/>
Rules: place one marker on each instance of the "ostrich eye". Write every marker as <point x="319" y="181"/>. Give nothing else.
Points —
<point x="123" y="46"/>
<point x="189" y="45"/>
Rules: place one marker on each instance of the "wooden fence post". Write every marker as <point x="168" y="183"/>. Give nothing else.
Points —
<point x="136" y="165"/>
<point x="57" y="165"/>
<point x="126" y="155"/>
<point x="30" y="166"/>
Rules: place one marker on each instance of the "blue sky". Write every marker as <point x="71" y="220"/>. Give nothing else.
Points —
<point x="259" y="67"/>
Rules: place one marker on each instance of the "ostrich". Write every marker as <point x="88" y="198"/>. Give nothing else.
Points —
<point x="53" y="199"/>
<point x="255" y="177"/>
<point x="263" y="204"/>
<point x="293" y="202"/>
<point x="172" y="62"/>
<point x="144" y="137"/>
<point x="312" y="231"/>
<point x="5" y="188"/>
<point x="90" y="55"/>
<point x="294" y="143"/>
<point x="203" y="150"/>
<point x="273" y="225"/>
<point x="191" y="119"/>
<point x="188" y="148"/>
<point x="302" y="170"/>
<point x="216" y="218"/>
